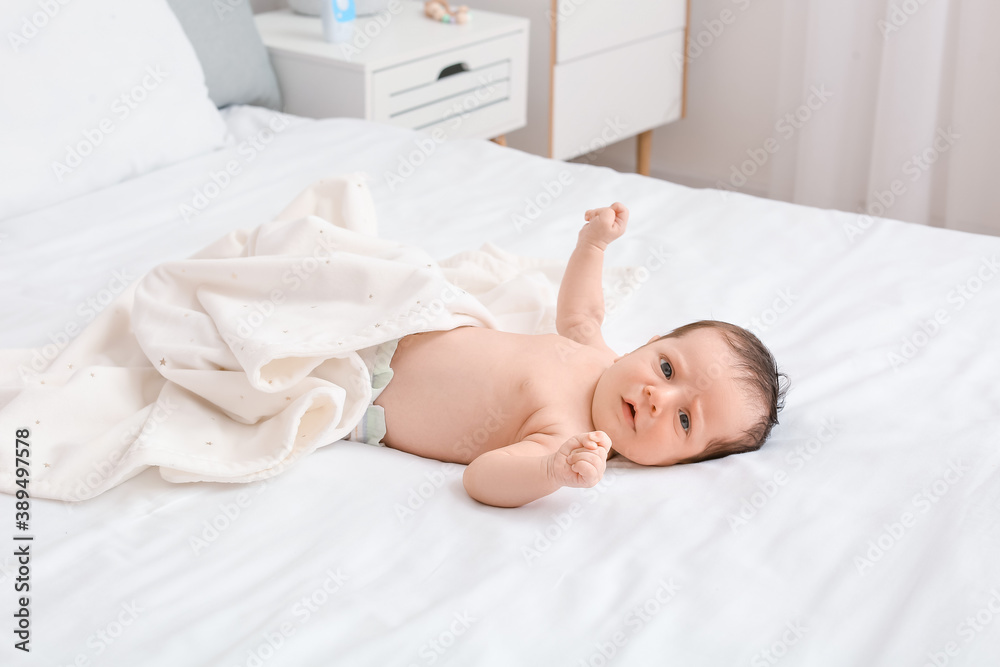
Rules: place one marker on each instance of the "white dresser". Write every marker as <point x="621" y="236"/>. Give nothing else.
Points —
<point x="402" y="68"/>
<point x="600" y="71"/>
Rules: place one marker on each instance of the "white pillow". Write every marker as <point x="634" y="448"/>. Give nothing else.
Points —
<point x="93" y="92"/>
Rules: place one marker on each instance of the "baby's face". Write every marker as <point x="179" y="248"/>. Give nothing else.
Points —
<point x="684" y="394"/>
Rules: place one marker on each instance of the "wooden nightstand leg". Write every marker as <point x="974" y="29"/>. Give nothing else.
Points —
<point x="645" y="149"/>
<point x="502" y="140"/>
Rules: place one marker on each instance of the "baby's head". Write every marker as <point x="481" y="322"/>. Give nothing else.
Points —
<point x="703" y="391"/>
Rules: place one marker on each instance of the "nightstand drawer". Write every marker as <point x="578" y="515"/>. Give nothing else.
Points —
<point x="404" y="69"/>
<point x="452" y="88"/>
<point x="485" y="100"/>
<point x="624" y="92"/>
<point x="473" y="80"/>
<point x="616" y="22"/>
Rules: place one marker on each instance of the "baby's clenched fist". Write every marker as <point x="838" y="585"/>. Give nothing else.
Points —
<point x="581" y="460"/>
<point x="604" y="225"/>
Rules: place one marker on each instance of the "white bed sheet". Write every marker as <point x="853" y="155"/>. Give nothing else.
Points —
<point x="866" y="532"/>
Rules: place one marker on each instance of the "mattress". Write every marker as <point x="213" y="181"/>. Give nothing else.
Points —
<point x="865" y="532"/>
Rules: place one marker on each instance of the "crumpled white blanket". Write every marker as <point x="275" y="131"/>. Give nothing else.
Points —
<point x="236" y="362"/>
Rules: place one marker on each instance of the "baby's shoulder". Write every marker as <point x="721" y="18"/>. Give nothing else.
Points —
<point x="571" y="356"/>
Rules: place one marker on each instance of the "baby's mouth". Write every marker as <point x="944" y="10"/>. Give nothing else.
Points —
<point x="629" y="412"/>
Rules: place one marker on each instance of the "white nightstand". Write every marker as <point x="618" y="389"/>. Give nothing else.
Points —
<point x="601" y="71"/>
<point x="404" y="69"/>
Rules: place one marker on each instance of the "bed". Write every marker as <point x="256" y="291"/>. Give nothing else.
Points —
<point x="865" y="532"/>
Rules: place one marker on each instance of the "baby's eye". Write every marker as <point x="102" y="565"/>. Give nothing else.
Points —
<point x="667" y="369"/>
<point x="685" y="422"/>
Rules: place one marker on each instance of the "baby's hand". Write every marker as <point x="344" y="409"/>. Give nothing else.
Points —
<point x="604" y="225"/>
<point x="581" y="460"/>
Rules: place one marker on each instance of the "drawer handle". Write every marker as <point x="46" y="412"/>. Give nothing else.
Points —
<point x="457" y="68"/>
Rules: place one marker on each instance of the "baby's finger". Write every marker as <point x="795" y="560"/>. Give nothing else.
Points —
<point x="593" y="458"/>
<point x="599" y="438"/>
<point x="579" y="454"/>
<point x="596" y="454"/>
<point x="588" y="475"/>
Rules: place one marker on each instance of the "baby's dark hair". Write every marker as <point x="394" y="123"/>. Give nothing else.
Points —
<point x="760" y="376"/>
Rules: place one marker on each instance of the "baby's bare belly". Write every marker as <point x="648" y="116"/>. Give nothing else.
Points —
<point x="456" y="394"/>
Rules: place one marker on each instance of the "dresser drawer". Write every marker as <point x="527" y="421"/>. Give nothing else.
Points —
<point x="616" y="94"/>
<point x="476" y="86"/>
<point x="597" y="25"/>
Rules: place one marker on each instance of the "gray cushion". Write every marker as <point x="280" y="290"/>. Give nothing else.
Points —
<point x="237" y="69"/>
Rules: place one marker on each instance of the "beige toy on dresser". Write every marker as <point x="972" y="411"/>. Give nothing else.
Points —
<point x="440" y="11"/>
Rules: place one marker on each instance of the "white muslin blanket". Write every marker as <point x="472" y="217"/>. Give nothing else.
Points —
<point x="236" y="362"/>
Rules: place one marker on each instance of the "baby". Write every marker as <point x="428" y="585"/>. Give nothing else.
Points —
<point x="530" y="414"/>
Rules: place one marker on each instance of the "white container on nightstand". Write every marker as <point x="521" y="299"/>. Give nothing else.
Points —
<point x="404" y="69"/>
<point x="315" y="7"/>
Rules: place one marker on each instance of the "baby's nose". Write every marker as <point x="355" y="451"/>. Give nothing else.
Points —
<point x="655" y="398"/>
<point x="659" y="399"/>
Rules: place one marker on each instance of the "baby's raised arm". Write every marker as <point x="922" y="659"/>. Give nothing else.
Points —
<point x="580" y="308"/>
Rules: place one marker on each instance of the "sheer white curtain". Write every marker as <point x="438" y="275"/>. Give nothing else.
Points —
<point x="911" y="128"/>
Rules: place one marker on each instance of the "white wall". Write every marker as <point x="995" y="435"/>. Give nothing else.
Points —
<point x="733" y="106"/>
